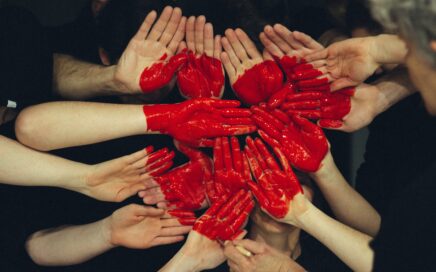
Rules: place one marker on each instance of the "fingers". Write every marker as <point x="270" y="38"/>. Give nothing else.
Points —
<point x="248" y="44"/>
<point x="190" y="33"/>
<point x="145" y="26"/>
<point x="342" y="83"/>
<point x="230" y="53"/>
<point x="235" y="256"/>
<point x="228" y="207"/>
<point x="236" y="44"/>
<point x="307" y="41"/>
<point x="217" y="47"/>
<point x="228" y="66"/>
<point x="174" y="231"/>
<point x="255" y="167"/>
<point x="218" y="159"/>
<point x="318" y="55"/>
<point x="283" y="160"/>
<point x="279" y="41"/>
<point x="250" y="245"/>
<point x="272" y="48"/>
<point x="209" y="40"/>
<point x="237" y="156"/>
<point x="199" y="34"/>
<point x="263" y="151"/>
<point x="176" y="45"/>
<point x="159" y="27"/>
<point x="141" y="210"/>
<point x="152" y="196"/>
<point x="171" y="27"/>
<point x="226" y="154"/>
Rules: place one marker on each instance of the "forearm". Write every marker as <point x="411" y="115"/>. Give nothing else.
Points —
<point x="388" y="49"/>
<point x="348" y="206"/>
<point x="20" y="165"/>
<point x="57" y="125"/>
<point x="75" y="79"/>
<point x="69" y="245"/>
<point x="393" y="87"/>
<point x="351" y="246"/>
<point x="181" y="262"/>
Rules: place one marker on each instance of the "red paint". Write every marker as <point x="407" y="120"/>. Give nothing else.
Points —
<point x="159" y="162"/>
<point x="225" y="218"/>
<point x="231" y="170"/>
<point x="201" y="76"/>
<point x="303" y="142"/>
<point x="183" y="186"/>
<point x="329" y="107"/>
<point x="185" y="217"/>
<point x="276" y="185"/>
<point x="160" y="73"/>
<point x="197" y="122"/>
<point x="258" y="83"/>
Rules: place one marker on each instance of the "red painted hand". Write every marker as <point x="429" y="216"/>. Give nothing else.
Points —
<point x="253" y="79"/>
<point x="184" y="186"/>
<point x="327" y="107"/>
<point x="195" y="122"/>
<point x="149" y="61"/>
<point x="303" y="142"/>
<point x="203" y="74"/>
<point x="225" y="218"/>
<point x="231" y="170"/>
<point x="276" y="186"/>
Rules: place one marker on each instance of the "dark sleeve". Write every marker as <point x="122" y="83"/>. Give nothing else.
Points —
<point x="26" y="58"/>
<point x="406" y="241"/>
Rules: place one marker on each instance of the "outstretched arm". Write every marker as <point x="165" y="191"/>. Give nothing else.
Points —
<point x="113" y="180"/>
<point x="133" y="226"/>
<point x="194" y="122"/>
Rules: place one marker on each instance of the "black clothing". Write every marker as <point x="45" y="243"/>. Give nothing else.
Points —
<point x="406" y="241"/>
<point x="26" y="59"/>
<point x="400" y="146"/>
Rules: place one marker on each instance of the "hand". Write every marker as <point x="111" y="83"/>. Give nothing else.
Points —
<point x="148" y="63"/>
<point x="329" y="108"/>
<point x="202" y="75"/>
<point x="253" y="79"/>
<point x="303" y="142"/>
<point x="276" y="186"/>
<point x="121" y="178"/>
<point x="183" y="187"/>
<point x="289" y="49"/>
<point x="197" y="254"/>
<point x="349" y="62"/>
<point x="262" y="258"/>
<point x="346" y="110"/>
<point x="231" y="170"/>
<point x="140" y="227"/>
<point x="195" y="122"/>
<point x="224" y="219"/>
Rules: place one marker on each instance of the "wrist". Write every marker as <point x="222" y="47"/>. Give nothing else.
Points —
<point x="388" y="49"/>
<point x="106" y="232"/>
<point x="183" y="261"/>
<point x="327" y="167"/>
<point x="112" y="83"/>
<point x="79" y="182"/>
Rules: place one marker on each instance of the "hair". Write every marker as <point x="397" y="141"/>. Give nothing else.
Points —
<point x="119" y="20"/>
<point x="415" y="20"/>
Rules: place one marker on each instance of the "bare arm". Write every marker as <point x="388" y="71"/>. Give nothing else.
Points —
<point x="61" y="124"/>
<point x="69" y="245"/>
<point x="350" y="245"/>
<point x="348" y="206"/>
<point x="20" y="165"/>
<point x="133" y="226"/>
<point x="76" y="79"/>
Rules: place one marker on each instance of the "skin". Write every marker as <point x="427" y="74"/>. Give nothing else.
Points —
<point x="202" y="251"/>
<point x="114" y="180"/>
<point x="247" y="70"/>
<point x="423" y="76"/>
<point x="57" y="125"/>
<point x="133" y="226"/>
<point x="202" y="75"/>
